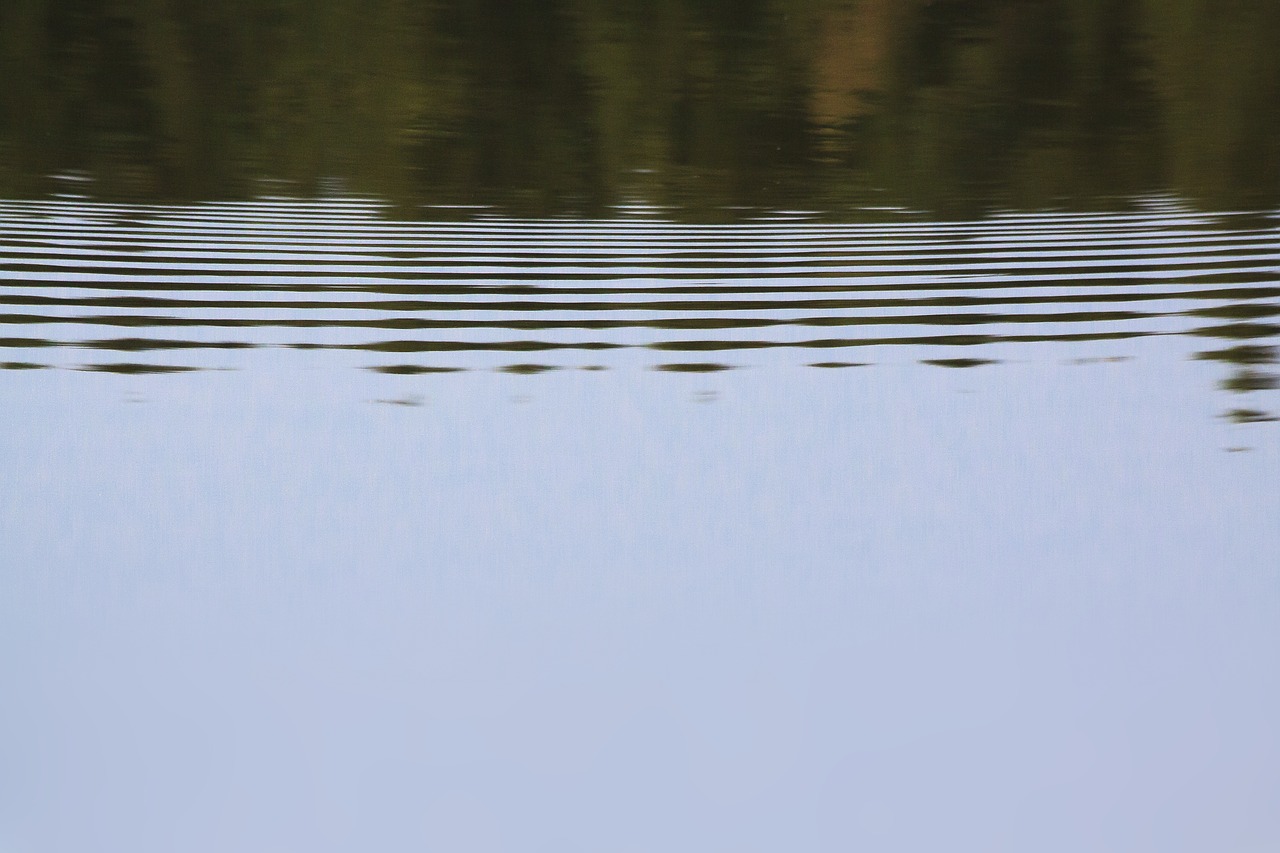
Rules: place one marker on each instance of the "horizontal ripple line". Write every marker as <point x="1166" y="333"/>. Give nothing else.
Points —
<point x="324" y="270"/>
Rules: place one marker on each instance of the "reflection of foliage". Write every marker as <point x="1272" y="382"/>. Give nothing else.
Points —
<point x="1243" y="354"/>
<point x="1031" y="100"/>
<point x="572" y="104"/>
<point x="1218" y="73"/>
<point x="1249" y="416"/>
<point x="1244" y="381"/>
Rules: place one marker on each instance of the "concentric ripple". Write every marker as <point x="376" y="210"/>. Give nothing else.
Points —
<point x="152" y="288"/>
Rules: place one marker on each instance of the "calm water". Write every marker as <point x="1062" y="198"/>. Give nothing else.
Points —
<point x="680" y="426"/>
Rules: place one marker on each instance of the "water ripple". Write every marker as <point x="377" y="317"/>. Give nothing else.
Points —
<point x="341" y="280"/>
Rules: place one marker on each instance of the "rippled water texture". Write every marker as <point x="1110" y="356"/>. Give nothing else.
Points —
<point x="796" y="425"/>
<point x="134" y="288"/>
<point x="471" y="530"/>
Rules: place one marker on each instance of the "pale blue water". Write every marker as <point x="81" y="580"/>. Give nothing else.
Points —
<point x="285" y="602"/>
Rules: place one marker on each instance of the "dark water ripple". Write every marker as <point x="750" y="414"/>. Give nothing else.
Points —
<point x="180" y="287"/>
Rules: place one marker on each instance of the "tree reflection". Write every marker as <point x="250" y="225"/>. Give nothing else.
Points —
<point x="1248" y="375"/>
<point x="701" y="105"/>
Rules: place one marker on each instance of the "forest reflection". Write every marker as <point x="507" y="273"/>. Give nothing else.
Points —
<point x="563" y="106"/>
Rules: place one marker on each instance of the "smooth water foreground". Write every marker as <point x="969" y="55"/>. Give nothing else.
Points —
<point x="324" y="530"/>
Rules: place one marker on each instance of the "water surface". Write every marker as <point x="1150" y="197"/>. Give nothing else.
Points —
<point x="189" y="287"/>
<point x="678" y="426"/>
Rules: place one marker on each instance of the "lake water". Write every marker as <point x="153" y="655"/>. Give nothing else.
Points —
<point x="613" y="489"/>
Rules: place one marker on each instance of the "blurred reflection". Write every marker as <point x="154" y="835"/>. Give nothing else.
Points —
<point x="697" y="105"/>
<point x="149" y="288"/>
<point x="1247" y="377"/>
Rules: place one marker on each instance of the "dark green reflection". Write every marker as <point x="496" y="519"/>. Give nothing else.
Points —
<point x="959" y="362"/>
<point x="134" y="368"/>
<point x="698" y="105"/>
<point x="693" y="367"/>
<point x="1250" y="416"/>
<point x="1246" y="360"/>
